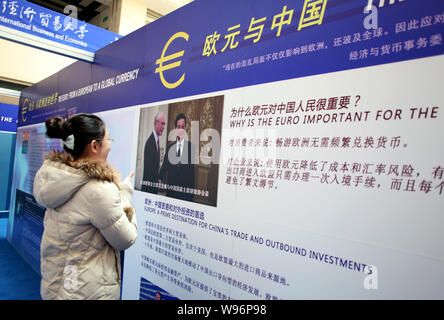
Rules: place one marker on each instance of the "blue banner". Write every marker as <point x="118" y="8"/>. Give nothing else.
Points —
<point x="235" y="44"/>
<point x="8" y="129"/>
<point x="8" y="117"/>
<point x="38" y="21"/>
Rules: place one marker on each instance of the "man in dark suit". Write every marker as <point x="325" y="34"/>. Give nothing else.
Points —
<point x="151" y="159"/>
<point x="178" y="164"/>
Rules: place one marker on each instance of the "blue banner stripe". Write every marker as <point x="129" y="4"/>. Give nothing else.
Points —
<point x="406" y="30"/>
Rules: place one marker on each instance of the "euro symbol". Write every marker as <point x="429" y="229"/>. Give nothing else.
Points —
<point x="176" y="64"/>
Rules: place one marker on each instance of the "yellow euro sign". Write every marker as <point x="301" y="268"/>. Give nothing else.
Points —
<point x="176" y="64"/>
<point x="24" y="110"/>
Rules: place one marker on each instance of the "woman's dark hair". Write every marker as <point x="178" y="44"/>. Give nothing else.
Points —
<point x="84" y="127"/>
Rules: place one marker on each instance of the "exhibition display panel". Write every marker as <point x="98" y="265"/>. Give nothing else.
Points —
<point x="312" y="164"/>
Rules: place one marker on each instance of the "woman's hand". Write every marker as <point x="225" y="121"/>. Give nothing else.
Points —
<point x="126" y="188"/>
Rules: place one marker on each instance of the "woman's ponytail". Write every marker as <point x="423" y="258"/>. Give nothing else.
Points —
<point x="76" y="132"/>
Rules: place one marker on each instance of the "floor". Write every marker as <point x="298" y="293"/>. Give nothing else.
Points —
<point x="18" y="281"/>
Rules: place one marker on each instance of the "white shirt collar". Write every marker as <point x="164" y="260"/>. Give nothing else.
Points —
<point x="156" y="138"/>
<point x="179" y="145"/>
